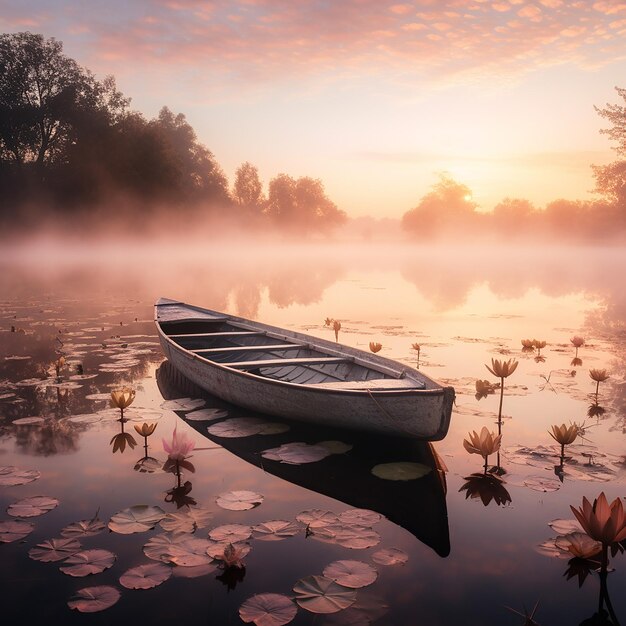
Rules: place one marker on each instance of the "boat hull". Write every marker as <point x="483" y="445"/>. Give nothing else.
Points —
<point x="418" y="413"/>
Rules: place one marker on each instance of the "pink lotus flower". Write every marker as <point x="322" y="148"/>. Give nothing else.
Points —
<point x="601" y="521"/>
<point x="179" y="447"/>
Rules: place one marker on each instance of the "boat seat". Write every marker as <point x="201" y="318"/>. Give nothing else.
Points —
<point x="282" y="362"/>
<point x="374" y="384"/>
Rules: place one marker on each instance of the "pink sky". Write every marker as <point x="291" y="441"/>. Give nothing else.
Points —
<point x="373" y="97"/>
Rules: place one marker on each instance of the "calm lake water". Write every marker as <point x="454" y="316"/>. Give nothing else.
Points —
<point x="448" y="549"/>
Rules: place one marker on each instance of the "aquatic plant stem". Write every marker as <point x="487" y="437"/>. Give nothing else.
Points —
<point x="500" y="417"/>
<point x="604" y="591"/>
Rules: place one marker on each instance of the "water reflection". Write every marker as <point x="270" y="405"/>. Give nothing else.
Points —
<point x="419" y="505"/>
<point x="488" y="487"/>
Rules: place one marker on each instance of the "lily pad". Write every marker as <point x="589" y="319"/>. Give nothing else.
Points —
<point x="297" y="453"/>
<point x="268" y="609"/>
<point x="11" y="476"/>
<point x="353" y="574"/>
<point x="145" y="576"/>
<point x="237" y="427"/>
<point x="32" y="506"/>
<point x="183" y="404"/>
<point x="231" y="533"/>
<point x="182" y="549"/>
<point x="542" y="483"/>
<point x="390" y="556"/>
<point x="194" y="572"/>
<point x="94" y="599"/>
<point x="53" y="550"/>
<point x="565" y="526"/>
<point x="14" y="530"/>
<point x="275" y="530"/>
<point x="216" y="550"/>
<point x="84" y="528"/>
<point x="317" y="518"/>
<point x="136" y="519"/>
<point x="336" y="447"/>
<point x="319" y="594"/>
<point x="402" y="470"/>
<point x="206" y="415"/>
<point x="186" y="520"/>
<point x="239" y="500"/>
<point x="29" y="421"/>
<point x="274" y="428"/>
<point x="360" y="517"/>
<point x="88" y="562"/>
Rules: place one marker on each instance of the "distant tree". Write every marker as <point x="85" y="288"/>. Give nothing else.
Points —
<point x="247" y="188"/>
<point x="611" y="178"/>
<point x="514" y="217"/>
<point x="302" y="204"/>
<point x="448" y="207"/>
<point x="44" y="97"/>
<point x="200" y="178"/>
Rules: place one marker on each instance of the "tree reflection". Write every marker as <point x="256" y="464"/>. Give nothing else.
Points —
<point x="52" y="437"/>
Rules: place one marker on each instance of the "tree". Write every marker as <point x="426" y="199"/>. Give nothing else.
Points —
<point x="43" y="96"/>
<point x="448" y="207"/>
<point x="200" y="178"/>
<point x="611" y="178"/>
<point x="281" y="199"/>
<point x="247" y="188"/>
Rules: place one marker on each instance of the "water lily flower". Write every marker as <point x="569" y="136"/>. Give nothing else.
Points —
<point x="145" y="430"/>
<point x="328" y="321"/>
<point x="577" y="341"/>
<point x="485" y="443"/>
<point x="484" y="388"/>
<point x="232" y="556"/>
<point x="564" y="434"/>
<point x="375" y="346"/>
<point x="502" y="369"/>
<point x="580" y="545"/>
<point x="528" y="345"/>
<point x="122" y="398"/>
<point x="539" y="344"/>
<point x="179" y="447"/>
<point x="336" y="328"/>
<point x="602" y="521"/>
<point x="576" y="362"/>
<point x="599" y="376"/>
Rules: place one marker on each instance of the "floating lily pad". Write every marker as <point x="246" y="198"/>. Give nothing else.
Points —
<point x="360" y="517"/>
<point x="53" y="550"/>
<point x="186" y="520"/>
<point x="239" y="500"/>
<point x="99" y="396"/>
<point x="29" y="421"/>
<point x="355" y="537"/>
<point x="275" y="530"/>
<point x="183" y="404"/>
<point x="317" y="518"/>
<point x="11" y="476"/>
<point x="94" y="599"/>
<point x="565" y="526"/>
<point x="274" y="428"/>
<point x="136" y="519"/>
<point x="319" y="594"/>
<point x="216" y="550"/>
<point x="353" y="574"/>
<point x="231" y="533"/>
<point x="145" y="576"/>
<point x="402" y="470"/>
<point x="268" y="609"/>
<point x="182" y="550"/>
<point x="206" y="415"/>
<point x="237" y="427"/>
<point x="14" y="530"/>
<point x="84" y="528"/>
<point x="390" y="556"/>
<point x="88" y="562"/>
<point x="542" y="483"/>
<point x="32" y="506"/>
<point x="336" y="447"/>
<point x="194" y="572"/>
<point x="85" y="418"/>
<point x="296" y="453"/>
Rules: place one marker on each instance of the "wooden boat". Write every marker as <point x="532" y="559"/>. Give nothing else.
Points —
<point x="298" y="376"/>
<point x="418" y="506"/>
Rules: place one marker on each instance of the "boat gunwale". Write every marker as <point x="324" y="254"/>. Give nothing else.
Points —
<point x="402" y="369"/>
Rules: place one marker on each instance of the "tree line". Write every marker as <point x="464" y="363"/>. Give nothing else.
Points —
<point x="70" y="142"/>
<point x="448" y="209"/>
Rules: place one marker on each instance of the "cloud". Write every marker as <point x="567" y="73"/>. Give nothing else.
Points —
<point x="261" y="41"/>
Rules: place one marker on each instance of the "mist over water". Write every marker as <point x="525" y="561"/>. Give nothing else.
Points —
<point x="463" y="304"/>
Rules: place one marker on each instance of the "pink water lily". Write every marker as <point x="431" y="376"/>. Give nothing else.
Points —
<point x="179" y="447"/>
<point x="602" y="521"/>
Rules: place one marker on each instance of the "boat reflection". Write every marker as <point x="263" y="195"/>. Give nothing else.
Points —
<point x="418" y="506"/>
